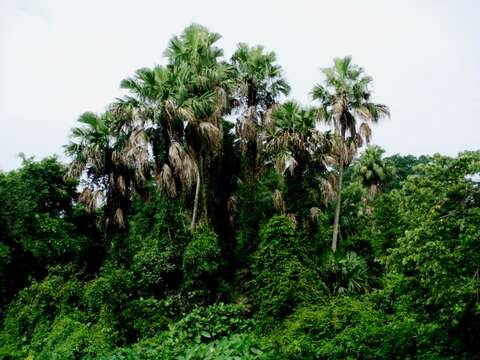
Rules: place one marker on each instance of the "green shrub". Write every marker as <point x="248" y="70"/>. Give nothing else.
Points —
<point x="191" y="335"/>
<point x="202" y="257"/>
<point x="147" y="317"/>
<point x="281" y="278"/>
<point x="344" y="328"/>
<point x="46" y="320"/>
<point x="213" y="322"/>
<point x="71" y="337"/>
<point x="108" y="292"/>
<point x="34" y="309"/>
<point x="239" y="346"/>
<point x="344" y="273"/>
<point x="155" y="268"/>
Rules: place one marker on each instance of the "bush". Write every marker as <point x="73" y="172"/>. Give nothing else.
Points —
<point x="345" y="273"/>
<point x="156" y="269"/>
<point x="213" y="322"/>
<point x="46" y="318"/>
<point x="34" y="309"/>
<point x="147" y="317"/>
<point x="281" y="278"/>
<point x="344" y="328"/>
<point x="201" y="260"/>
<point x="71" y="337"/>
<point x="239" y="346"/>
<point x="192" y="335"/>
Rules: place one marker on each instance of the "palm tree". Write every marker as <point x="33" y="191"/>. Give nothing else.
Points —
<point x="153" y="107"/>
<point x="372" y="171"/>
<point x="289" y="134"/>
<point x="345" y="101"/>
<point x="111" y="163"/>
<point x="296" y="149"/>
<point x="206" y="92"/>
<point x="260" y="83"/>
<point x="180" y="106"/>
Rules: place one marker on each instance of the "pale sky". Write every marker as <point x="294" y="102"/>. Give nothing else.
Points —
<point x="59" y="58"/>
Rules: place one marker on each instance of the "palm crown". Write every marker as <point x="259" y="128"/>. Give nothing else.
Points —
<point x="345" y="100"/>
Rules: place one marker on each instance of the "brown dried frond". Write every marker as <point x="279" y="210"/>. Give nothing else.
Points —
<point x="136" y="152"/>
<point x="330" y="160"/>
<point x="345" y="148"/>
<point x="138" y="137"/>
<point x="140" y="177"/>
<point x="260" y="141"/>
<point x="278" y="202"/>
<point x="187" y="114"/>
<point x="285" y="162"/>
<point x="296" y="140"/>
<point x="170" y="108"/>
<point x="314" y="213"/>
<point x="358" y="141"/>
<point x="232" y="204"/>
<point x="328" y="189"/>
<point x="95" y="155"/>
<point x="121" y="184"/>
<point x="364" y="113"/>
<point x="246" y="128"/>
<point x="293" y="220"/>
<point x="75" y="169"/>
<point x="118" y="218"/>
<point x="366" y="132"/>
<point x="211" y="135"/>
<point x="90" y="198"/>
<point x="116" y="158"/>
<point x="220" y="103"/>
<point x="176" y="155"/>
<point x="279" y="165"/>
<point x="290" y="163"/>
<point x="188" y="172"/>
<point x="339" y="106"/>
<point x="351" y="152"/>
<point x="268" y="119"/>
<point x="373" y="191"/>
<point x="165" y="181"/>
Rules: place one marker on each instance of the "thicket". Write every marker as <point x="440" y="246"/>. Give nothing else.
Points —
<point x="203" y="218"/>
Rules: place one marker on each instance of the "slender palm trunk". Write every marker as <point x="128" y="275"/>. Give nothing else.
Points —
<point x="204" y="192"/>
<point x="195" y="202"/>
<point x="336" y="222"/>
<point x="337" y="210"/>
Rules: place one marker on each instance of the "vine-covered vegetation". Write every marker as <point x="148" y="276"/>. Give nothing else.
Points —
<point x="205" y="215"/>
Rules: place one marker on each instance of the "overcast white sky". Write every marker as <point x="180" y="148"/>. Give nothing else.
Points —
<point x="59" y="58"/>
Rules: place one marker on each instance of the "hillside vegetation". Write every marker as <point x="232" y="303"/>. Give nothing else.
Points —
<point x="205" y="215"/>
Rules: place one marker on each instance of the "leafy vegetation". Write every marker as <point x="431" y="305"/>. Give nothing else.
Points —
<point x="204" y="216"/>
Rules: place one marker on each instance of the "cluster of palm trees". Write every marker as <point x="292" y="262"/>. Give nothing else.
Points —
<point x="171" y="127"/>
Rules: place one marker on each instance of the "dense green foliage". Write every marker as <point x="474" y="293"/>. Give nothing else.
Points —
<point x="196" y="220"/>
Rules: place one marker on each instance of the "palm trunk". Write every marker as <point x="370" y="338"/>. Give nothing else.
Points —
<point x="337" y="210"/>
<point x="195" y="202"/>
<point x="336" y="222"/>
<point x="204" y="193"/>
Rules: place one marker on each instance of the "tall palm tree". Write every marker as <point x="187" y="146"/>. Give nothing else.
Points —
<point x="289" y="135"/>
<point x="207" y="94"/>
<point x="259" y="84"/>
<point x="154" y="108"/>
<point x="180" y="106"/>
<point x="296" y="148"/>
<point x="111" y="164"/>
<point x="345" y="102"/>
